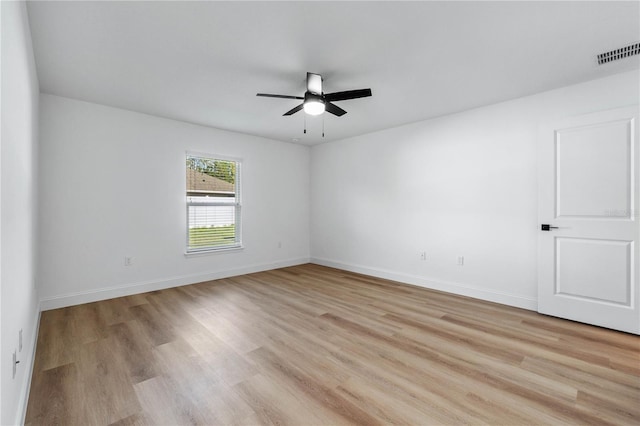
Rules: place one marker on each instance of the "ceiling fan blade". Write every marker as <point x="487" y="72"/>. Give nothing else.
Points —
<point x="349" y="94"/>
<point x="294" y="110"/>
<point x="314" y="83"/>
<point x="267" y="95"/>
<point x="334" y="109"/>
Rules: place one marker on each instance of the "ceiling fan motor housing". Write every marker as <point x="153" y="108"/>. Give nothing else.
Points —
<point x="312" y="97"/>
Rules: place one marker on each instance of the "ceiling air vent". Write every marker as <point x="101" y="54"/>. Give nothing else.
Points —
<point x="623" y="52"/>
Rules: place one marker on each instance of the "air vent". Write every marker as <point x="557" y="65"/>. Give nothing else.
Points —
<point x="623" y="52"/>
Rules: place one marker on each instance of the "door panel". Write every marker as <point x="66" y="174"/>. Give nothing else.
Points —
<point x="584" y="264"/>
<point x="588" y="194"/>
<point x="593" y="170"/>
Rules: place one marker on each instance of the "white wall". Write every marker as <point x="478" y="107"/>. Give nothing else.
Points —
<point x="459" y="185"/>
<point x="18" y="168"/>
<point x="97" y="165"/>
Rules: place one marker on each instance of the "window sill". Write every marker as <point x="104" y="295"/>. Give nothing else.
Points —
<point x="198" y="253"/>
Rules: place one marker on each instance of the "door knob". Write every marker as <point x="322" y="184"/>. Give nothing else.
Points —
<point x="546" y="227"/>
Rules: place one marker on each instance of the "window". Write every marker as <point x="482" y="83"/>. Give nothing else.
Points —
<point x="213" y="204"/>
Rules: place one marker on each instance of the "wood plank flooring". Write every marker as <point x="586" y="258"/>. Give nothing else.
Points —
<point x="313" y="345"/>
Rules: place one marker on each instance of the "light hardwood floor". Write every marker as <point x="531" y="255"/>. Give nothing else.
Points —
<point x="313" y="345"/>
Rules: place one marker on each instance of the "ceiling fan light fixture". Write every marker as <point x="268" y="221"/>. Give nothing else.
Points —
<point x="313" y="104"/>
<point x="314" y="107"/>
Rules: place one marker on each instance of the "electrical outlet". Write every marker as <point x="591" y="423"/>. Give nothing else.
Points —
<point x="460" y="260"/>
<point x="128" y="261"/>
<point x="423" y="255"/>
<point x="20" y="341"/>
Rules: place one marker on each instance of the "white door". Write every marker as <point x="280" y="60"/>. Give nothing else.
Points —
<point x="588" y="196"/>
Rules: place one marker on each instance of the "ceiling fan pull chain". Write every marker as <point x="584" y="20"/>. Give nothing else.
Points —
<point x="323" y="125"/>
<point x="305" y="124"/>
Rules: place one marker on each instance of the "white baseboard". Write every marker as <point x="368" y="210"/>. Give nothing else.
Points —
<point x="21" y="413"/>
<point x="449" y="287"/>
<point x="78" y="298"/>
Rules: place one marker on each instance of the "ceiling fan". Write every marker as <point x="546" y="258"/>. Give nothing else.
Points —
<point x="315" y="102"/>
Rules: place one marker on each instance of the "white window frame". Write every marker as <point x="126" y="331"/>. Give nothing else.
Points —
<point x="237" y="244"/>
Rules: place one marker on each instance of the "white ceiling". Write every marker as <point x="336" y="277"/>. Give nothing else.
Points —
<point x="204" y="62"/>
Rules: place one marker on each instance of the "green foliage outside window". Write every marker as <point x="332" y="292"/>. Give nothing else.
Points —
<point x="221" y="169"/>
